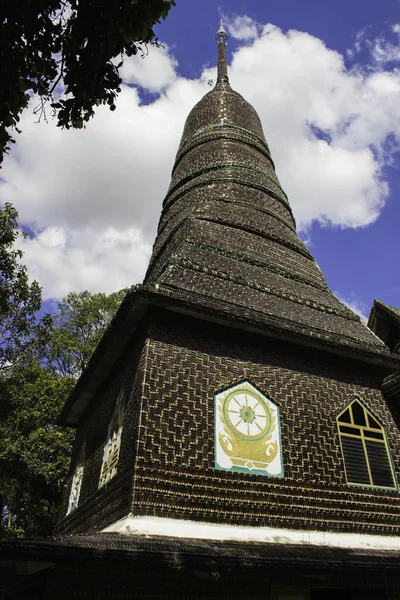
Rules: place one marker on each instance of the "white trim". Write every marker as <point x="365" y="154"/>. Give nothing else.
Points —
<point x="132" y="525"/>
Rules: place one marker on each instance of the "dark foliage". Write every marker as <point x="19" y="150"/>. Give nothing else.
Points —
<point x="19" y="299"/>
<point x="68" y="43"/>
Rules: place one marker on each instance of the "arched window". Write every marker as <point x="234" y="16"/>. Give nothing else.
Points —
<point x="364" y="446"/>
<point x="77" y="481"/>
<point x="113" y="443"/>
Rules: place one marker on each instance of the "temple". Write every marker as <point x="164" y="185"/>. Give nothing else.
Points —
<point x="237" y="425"/>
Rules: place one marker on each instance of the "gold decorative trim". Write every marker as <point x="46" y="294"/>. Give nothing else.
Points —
<point x="367" y="429"/>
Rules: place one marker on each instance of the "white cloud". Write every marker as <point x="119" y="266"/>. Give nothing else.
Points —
<point x="153" y="72"/>
<point x="242" y="27"/>
<point x="385" y="52"/>
<point x="93" y="197"/>
<point x="306" y="88"/>
<point x="101" y="261"/>
<point x="358" y="307"/>
<point x="381" y="49"/>
<point x="114" y="172"/>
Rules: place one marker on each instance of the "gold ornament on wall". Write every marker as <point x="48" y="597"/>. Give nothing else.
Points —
<point x="247" y="436"/>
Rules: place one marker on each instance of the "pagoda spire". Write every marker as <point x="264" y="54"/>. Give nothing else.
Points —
<point x="222" y="39"/>
<point x="227" y="238"/>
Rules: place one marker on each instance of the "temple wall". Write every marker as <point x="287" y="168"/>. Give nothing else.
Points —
<point x="97" y="506"/>
<point x="170" y="374"/>
<point x="189" y="361"/>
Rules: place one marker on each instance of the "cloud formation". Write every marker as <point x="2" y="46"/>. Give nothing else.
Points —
<point x="65" y="259"/>
<point x="381" y="49"/>
<point x="242" y="27"/>
<point x="92" y="197"/>
<point x="358" y="307"/>
<point x="153" y="72"/>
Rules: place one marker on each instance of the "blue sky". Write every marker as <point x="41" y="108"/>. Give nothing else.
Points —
<point x="337" y="22"/>
<point x="324" y="77"/>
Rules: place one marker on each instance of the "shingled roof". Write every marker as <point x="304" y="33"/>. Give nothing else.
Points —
<point x="380" y="308"/>
<point x="227" y="235"/>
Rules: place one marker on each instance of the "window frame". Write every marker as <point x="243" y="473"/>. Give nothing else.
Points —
<point x="364" y="437"/>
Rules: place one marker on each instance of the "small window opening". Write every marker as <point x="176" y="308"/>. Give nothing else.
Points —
<point x="113" y="443"/>
<point x="365" y="449"/>
<point x="77" y="482"/>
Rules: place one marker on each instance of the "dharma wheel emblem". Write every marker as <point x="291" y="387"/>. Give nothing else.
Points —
<point x="247" y="436"/>
<point x="246" y="414"/>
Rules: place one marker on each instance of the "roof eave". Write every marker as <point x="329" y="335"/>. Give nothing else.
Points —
<point x="110" y="347"/>
<point x="379" y="309"/>
<point x="188" y="554"/>
<point x="132" y="311"/>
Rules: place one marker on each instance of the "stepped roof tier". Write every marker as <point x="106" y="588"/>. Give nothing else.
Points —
<point x="227" y="235"/>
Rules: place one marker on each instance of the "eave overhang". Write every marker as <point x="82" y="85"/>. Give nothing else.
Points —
<point x="102" y="550"/>
<point x="140" y="298"/>
<point x="391" y="386"/>
<point x="380" y="310"/>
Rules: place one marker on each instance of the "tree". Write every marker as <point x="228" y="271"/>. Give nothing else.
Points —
<point x="34" y="452"/>
<point x="19" y="300"/>
<point x="45" y="44"/>
<point x="39" y="361"/>
<point x="78" y="325"/>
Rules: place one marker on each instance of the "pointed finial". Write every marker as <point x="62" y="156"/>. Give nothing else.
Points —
<point x="222" y="36"/>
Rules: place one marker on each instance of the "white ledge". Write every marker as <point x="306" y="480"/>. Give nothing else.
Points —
<point x="132" y="525"/>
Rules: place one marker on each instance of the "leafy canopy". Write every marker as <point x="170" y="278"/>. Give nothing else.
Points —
<point x="34" y="452"/>
<point x="71" y="44"/>
<point x="19" y="299"/>
<point x="78" y="325"/>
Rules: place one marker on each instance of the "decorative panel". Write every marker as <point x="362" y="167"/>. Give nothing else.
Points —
<point x="247" y="432"/>
<point x="113" y="444"/>
<point x="75" y="489"/>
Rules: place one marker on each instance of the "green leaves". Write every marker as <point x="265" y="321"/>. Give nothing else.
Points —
<point x="50" y="43"/>
<point x="34" y="453"/>
<point x="19" y="299"/>
<point x="77" y="327"/>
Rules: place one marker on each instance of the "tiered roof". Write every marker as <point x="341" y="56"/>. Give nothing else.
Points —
<point x="227" y="237"/>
